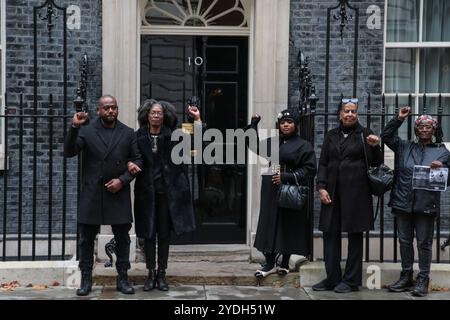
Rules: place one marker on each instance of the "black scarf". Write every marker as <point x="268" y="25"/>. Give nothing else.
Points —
<point x="347" y="130"/>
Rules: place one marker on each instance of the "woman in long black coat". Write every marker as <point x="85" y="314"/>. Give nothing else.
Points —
<point x="346" y="198"/>
<point x="163" y="200"/>
<point x="283" y="231"/>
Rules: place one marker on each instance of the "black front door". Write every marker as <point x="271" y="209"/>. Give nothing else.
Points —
<point x="174" y="68"/>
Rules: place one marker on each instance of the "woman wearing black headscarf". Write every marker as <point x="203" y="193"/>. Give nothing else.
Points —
<point x="283" y="231"/>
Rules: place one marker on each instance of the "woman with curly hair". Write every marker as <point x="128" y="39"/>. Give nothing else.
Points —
<point x="163" y="200"/>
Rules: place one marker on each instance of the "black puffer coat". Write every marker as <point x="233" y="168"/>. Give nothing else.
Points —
<point x="407" y="155"/>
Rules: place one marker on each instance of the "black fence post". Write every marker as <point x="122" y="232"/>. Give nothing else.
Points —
<point x="5" y="182"/>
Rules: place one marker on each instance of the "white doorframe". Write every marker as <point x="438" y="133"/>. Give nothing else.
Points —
<point x="268" y="32"/>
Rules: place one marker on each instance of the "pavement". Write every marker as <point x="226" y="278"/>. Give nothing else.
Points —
<point x="217" y="275"/>
<point x="210" y="292"/>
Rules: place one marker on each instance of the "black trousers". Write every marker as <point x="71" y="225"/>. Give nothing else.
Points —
<point x="423" y="225"/>
<point x="271" y="260"/>
<point x="332" y="252"/>
<point x="163" y="225"/>
<point x="88" y="232"/>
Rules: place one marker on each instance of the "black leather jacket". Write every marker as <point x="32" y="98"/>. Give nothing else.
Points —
<point x="408" y="154"/>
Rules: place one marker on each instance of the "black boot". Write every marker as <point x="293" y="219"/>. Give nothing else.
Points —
<point x="404" y="283"/>
<point x="161" y="280"/>
<point x="122" y="283"/>
<point x="150" y="283"/>
<point x="86" y="284"/>
<point x="283" y="269"/>
<point x="421" y="288"/>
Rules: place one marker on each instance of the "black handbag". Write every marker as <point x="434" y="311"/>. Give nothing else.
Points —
<point x="293" y="196"/>
<point x="381" y="178"/>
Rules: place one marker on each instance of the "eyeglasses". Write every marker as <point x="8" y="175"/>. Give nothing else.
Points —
<point x="156" y="113"/>
<point x="424" y="127"/>
<point x="113" y="108"/>
<point x="352" y="100"/>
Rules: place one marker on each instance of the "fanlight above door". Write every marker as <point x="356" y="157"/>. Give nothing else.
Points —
<point x="195" y="13"/>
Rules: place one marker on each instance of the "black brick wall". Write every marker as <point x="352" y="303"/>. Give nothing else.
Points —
<point x="308" y="33"/>
<point x="20" y="80"/>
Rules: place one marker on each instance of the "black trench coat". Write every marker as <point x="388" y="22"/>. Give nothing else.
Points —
<point x="178" y="190"/>
<point x="101" y="163"/>
<point x="343" y="172"/>
<point x="282" y="230"/>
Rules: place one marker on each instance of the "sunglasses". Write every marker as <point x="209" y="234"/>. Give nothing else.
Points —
<point x="352" y="100"/>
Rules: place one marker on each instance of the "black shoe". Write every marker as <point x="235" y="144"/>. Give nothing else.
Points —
<point x="322" y="286"/>
<point x="421" y="288"/>
<point x="161" y="280"/>
<point x="86" y="284"/>
<point x="150" y="283"/>
<point x="122" y="283"/>
<point x="404" y="283"/>
<point x="282" y="271"/>
<point x="345" y="288"/>
<point x="265" y="271"/>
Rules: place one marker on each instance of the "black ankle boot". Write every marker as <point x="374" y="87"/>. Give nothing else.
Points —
<point x="161" y="280"/>
<point x="86" y="284"/>
<point x="421" y="288"/>
<point x="404" y="283"/>
<point x="150" y="283"/>
<point x="122" y="283"/>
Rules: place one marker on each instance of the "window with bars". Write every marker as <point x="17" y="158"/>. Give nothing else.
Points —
<point x="417" y="55"/>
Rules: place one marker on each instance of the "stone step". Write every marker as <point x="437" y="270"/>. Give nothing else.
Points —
<point x="201" y="273"/>
<point x="195" y="253"/>
<point x="196" y="257"/>
<point x="205" y="265"/>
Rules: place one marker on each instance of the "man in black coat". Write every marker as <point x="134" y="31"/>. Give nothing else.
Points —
<point x="107" y="146"/>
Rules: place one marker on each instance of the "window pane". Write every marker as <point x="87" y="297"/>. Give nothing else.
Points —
<point x="403" y="20"/>
<point x="162" y="12"/>
<point x="400" y="71"/>
<point x="435" y="70"/>
<point x="432" y="108"/>
<point x="436" y="24"/>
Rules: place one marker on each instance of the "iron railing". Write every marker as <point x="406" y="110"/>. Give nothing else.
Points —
<point x="47" y="184"/>
<point x="376" y="117"/>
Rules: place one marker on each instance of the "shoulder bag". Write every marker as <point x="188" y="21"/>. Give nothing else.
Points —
<point x="292" y="196"/>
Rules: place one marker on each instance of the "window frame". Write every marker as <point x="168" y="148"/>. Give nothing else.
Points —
<point x="420" y="44"/>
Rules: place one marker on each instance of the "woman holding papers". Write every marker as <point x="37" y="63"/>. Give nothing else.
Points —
<point x="415" y="209"/>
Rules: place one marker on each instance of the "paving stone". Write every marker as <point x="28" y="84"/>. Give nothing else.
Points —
<point x="363" y="294"/>
<point x="175" y="293"/>
<point x="254" y="293"/>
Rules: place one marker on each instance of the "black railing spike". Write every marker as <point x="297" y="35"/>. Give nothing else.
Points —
<point x="307" y="98"/>
<point x="51" y="14"/>
<point x="80" y="101"/>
